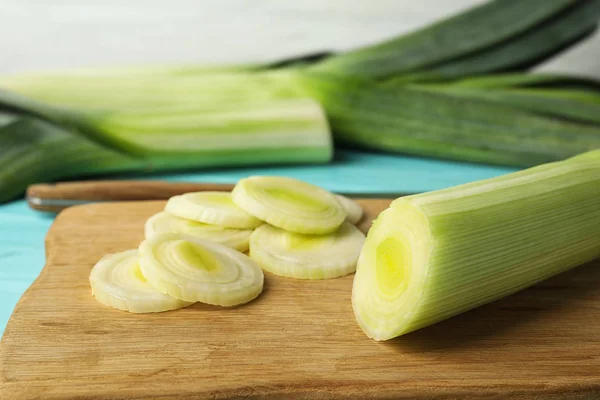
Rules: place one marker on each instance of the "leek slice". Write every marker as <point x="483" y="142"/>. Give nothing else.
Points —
<point x="193" y="269"/>
<point x="354" y="210"/>
<point x="163" y="222"/>
<point x="307" y="256"/>
<point x="290" y="204"/>
<point x="215" y="208"/>
<point x="434" y="255"/>
<point x="117" y="282"/>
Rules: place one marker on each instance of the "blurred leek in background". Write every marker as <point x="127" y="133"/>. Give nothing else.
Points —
<point x="456" y="89"/>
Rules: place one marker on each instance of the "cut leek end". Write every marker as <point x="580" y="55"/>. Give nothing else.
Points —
<point x="290" y="204"/>
<point x="391" y="272"/>
<point x="193" y="269"/>
<point x="117" y="282"/>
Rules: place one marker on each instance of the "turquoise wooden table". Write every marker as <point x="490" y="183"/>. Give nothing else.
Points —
<point x="22" y="230"/>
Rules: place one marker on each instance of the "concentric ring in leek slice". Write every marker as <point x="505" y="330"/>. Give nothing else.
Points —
<point x="290" y="204"/>
<point x="216" y="208"/>
<point x="354" y="210"/>
<point x="164" y="222"/>
<point x="193" y="269"/>
<point x="117" y="282"/>
<point x="302" y="256"/>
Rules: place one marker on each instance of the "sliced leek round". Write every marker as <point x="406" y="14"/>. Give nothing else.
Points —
<point x="290" y="204"/>
<point x="354" y="210"/>
<point x="193" y="269"/>
<point x="307" y="256"/>
<point x="216" y="208"/>
<point x="164" y="222"/>
<point x="117" y="282"/>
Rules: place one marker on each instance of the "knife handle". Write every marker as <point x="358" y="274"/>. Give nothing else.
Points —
<point x="57" y="196"/>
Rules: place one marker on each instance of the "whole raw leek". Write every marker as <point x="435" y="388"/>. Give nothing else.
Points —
<point x="434" y="255"/>
<point x="161" y="118"/>
<point x="123" y="122"/>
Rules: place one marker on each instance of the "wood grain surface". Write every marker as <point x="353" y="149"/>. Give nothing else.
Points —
<point x="297" y="340"/>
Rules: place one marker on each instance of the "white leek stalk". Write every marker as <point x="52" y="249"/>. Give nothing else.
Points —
<point x="434" y="255"/>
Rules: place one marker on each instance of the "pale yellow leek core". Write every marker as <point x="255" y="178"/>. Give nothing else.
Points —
<point x="431" y="256"/>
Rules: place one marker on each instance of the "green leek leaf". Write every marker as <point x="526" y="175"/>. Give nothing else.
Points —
<point x="520" y="52"/>
<point x="478" y="29"/>
<point x="401" y="119"/>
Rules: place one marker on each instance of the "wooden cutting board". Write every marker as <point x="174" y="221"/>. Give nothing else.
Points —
<point x="297" y="340"/>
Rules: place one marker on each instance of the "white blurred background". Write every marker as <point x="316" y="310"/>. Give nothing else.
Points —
<point x="53" y="34"/>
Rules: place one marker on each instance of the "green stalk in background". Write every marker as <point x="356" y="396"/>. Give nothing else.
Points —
<point x="404" y="119"/>
<point x="571" y="99"/>
<point x="171" y="113"/>
<point x="520" y="52"/>
<point x="499" y="35"/>
<point x="139" y="123"/>
<point x="161" y="118"/>
<point x="243" y="118"/>
<point x="431" y="256"/>
<point x="528" y="80"/>
<point x="33" y="150"/>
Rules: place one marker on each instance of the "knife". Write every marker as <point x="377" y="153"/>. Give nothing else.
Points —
<point x="55" y="197"/>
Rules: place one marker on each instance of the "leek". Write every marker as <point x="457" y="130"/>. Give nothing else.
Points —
<point x="576" y="100"/>
<point x="192" y="269"/>
<point x="423" y="122"/>
<point x="431" y="256"/>
<point x="117" y="282"/>
<point x="163" y="222"/>
<point x="521" y="52"/>
<point x="290" y="204"/>
<point x="528" y="80"/>
<point x="307" y="256"/>
<point x="216" y="208"/>
<point x="155" y="123"/>
<point x="524" y="32"/>
<point x="166" y="118"/>
<point x="33" y="150"/>
<point x="353" y="209"/>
